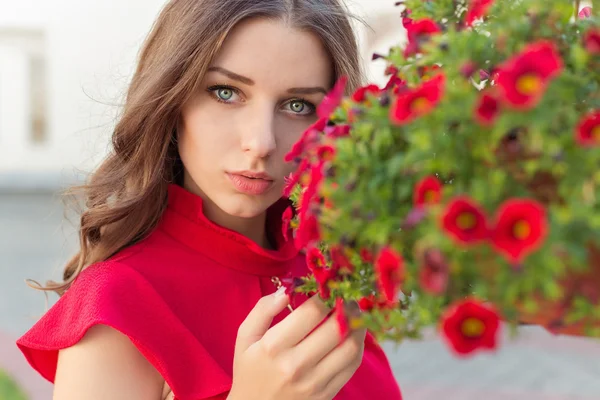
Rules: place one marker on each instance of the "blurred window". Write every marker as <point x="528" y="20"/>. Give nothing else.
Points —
<point x="31" y="44"/>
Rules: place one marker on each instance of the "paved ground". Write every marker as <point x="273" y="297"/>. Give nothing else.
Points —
<point x="35" y="241"/>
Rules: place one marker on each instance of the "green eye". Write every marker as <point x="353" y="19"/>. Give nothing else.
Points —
<point x="297" y="106"/>
<point x="225" y="93"/>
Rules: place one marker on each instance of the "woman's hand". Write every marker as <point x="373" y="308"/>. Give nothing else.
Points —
<point x="301" y="357"/>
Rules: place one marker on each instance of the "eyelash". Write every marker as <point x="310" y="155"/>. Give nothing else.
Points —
<point x="211" y="90"/>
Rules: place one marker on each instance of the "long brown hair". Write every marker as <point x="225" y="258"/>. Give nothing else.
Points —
<point x="126" y="196"/>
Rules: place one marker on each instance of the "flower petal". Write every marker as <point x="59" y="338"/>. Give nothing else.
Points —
<point x="333" y="99"/>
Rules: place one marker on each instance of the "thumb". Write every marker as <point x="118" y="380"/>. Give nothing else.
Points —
<point x="259" y="319"/>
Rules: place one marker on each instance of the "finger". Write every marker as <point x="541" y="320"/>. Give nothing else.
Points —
<point x="296" y="326"/>
<point x="317" y="344"/>
<point x="336" y="384"/>
<point x="259" y="319"/>
<point x="340" y="363"/>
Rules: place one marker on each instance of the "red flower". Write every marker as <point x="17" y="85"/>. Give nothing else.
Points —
<point x="294" y="178"/>
<point x="308" y="230"/>
<point x="391" y="70"/>
<point x="337" y="131"/>
<point x="367" y="303"/>
<point x="524" y="78"/>
<point x="316" y="264"/>
<point x="588" y="130"/>
<point x="427" y="191"/>
<point x="366" y="255"/>
<point x="397" y="85"/>
<point x="291" y="283"/>
<point x="315" y="259"/>
<point x="464" y="221"/>
<point x="389" y="268"/>
<point x="333" y="99"/>
<point x="591" y="41"/>
<point x="416" y="103"/>
<point x="326" y="152"/>
<point x="395" y="82"/>
<point x="434" y="273"/>
<point x="341" y="318"/>
<point x="360" y="94"/>
<point x="418" y="32"/>
<point x="340" y="262"/>
<point x="520" y="228"/>
<point x="310" y="136"/>
<point x="314" y="183"/>
<point x="286" y="218"/>
<point x="477" y="9"/>
<point x="290" y="182"/>
<point x="370" y="302"/>
<point x="586" y="12"/>
<point x="469" y="326"/>
<point x="300" y="146"/>
<point x="487" y="109"/>
<point x="323" y="276"/>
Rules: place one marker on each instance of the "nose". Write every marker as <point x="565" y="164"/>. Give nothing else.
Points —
<point x="258" y="137"/>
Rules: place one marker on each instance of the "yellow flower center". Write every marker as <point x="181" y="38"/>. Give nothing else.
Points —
<point x="420" y="105"/>
<point x="522" y="230"/>
<point x="529" y="84"/>
<point x="305" y="179"/>
<point x="596" y="133"/>
<point x="429" y="196"/>
<point x="466" y="221"/>
<point x="472" y="327"/>
<point x="327" y="155"/>
<point x="356" y="323"/>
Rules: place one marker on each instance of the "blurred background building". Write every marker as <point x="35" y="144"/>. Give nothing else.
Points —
<point x="64" y="68"/>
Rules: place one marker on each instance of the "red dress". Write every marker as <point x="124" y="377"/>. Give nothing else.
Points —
<point x="180" y="296"/>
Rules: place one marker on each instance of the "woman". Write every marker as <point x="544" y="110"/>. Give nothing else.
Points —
<point x="181" y="242"/>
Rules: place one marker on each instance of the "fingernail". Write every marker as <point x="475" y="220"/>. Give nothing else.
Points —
<point x="280" y="292"/>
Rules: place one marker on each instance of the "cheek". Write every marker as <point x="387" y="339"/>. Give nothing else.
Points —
<point x="203" y="139"/>
<point x="289" y="131"/>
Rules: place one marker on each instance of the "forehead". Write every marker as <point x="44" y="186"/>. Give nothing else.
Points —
<point x="271" y="52"/>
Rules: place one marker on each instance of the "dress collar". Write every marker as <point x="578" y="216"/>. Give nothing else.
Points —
<point x="185" y="221"/>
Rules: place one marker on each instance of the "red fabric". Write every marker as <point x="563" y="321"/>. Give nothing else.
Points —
<point x="180" y="295"/>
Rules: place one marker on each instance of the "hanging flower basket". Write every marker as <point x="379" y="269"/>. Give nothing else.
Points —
<point x="466" y="192"/>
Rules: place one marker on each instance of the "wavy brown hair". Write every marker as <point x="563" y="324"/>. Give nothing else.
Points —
<point x="125" y="197"/>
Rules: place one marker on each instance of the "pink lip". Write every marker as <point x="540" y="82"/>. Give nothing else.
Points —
<point x="250" y="182"/>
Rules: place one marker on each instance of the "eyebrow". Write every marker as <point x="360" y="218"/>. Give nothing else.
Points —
<point x="232" y="75"/>
<point x="307" y="90"/>
<point x="250" y="82"/>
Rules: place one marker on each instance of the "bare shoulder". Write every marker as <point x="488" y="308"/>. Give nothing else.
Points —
<point x="105" y="364"/>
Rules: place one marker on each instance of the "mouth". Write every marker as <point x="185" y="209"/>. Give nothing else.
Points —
<point x="254" y="175"/>
<point x="253" y="183"/>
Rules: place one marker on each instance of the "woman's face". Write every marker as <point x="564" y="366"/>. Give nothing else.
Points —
<point x="257" y="99"/>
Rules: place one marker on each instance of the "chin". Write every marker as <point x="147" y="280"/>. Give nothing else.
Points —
<point x="243" y="206"/>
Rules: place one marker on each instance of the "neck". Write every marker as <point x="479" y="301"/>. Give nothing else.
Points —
<point x="254" y="228"/>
